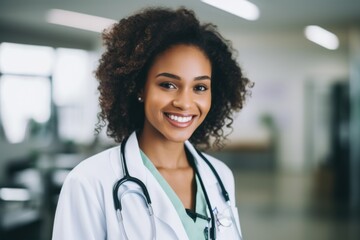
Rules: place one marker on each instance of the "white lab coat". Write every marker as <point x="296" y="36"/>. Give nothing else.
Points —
<point x="85" y="209"/>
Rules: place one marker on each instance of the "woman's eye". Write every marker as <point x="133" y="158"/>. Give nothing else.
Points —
<point x="168" y="85"/>
<point x="200" y="88"/>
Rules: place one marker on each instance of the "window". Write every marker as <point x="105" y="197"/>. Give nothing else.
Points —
<point x="34" y="79"/>
<point x="74" y="94"/>
<point x="25" y="93"/>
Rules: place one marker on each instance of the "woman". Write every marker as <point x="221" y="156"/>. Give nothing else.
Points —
<point x="167" y="84"/>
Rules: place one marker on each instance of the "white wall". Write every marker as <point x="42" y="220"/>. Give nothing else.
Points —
<point x="280" y="63"/>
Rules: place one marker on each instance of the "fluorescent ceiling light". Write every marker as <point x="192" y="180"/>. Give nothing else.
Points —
<point x="322" y="37"/>
<point x="78" y="20"/>
<point x="241" y="8"/>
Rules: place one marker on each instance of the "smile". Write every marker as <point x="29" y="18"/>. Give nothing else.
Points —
<point x="180" y="119"/>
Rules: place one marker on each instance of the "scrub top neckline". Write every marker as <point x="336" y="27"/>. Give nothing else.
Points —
<point x="194" y="229"/>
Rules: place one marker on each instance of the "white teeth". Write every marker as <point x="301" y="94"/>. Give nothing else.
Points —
<point x="179" y="119"/>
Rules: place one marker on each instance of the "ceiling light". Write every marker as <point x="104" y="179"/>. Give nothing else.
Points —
<point x="322" y="37"/>
<point x="241" y="8"/>
<point x="78" y="20"/>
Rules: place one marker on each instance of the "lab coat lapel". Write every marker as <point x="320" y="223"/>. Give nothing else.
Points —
<point x="163" y="208"/>
<point x="205" y="172"/>
<point x="133" y="159"/>
<point x="211" y="185"/>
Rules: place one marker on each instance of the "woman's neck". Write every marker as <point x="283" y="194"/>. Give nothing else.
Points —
<point x="163" y="153"/>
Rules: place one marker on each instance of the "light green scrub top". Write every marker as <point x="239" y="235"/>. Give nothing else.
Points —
<point x="194" y="229"/>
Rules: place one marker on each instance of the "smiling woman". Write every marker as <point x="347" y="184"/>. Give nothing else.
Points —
<point x="166" y="83"/>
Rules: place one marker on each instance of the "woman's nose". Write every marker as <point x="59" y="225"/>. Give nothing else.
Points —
<point x="183" y="100"/>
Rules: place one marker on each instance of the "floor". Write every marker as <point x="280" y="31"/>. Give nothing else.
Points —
<point x="284" y="206"/>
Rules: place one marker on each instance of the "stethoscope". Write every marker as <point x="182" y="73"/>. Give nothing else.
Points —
<point x="144" y="194"/>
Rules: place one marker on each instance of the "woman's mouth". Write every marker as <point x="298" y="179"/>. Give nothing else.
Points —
<point x="179" y="120"/>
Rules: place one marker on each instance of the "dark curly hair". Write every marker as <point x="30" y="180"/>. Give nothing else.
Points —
<point x="131" y="46"/>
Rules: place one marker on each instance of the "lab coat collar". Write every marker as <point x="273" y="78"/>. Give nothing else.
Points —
<point x="132" y="151"/>
<point x="203" y="168"/>
<point x="212" y="187"/>
<point x="161" y="204"/>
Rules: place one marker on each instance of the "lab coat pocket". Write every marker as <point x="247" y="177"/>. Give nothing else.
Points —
<point x="227" y="223"/>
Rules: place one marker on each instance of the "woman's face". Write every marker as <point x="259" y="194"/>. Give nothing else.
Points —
<point x="177" y="93"/>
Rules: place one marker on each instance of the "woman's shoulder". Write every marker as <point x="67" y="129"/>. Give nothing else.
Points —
<point x="219" y="165"/>
<point x="225" y="173"/>
<point x="98" y="166"/>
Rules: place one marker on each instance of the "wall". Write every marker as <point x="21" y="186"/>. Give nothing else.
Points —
<point x="281" y="64"/>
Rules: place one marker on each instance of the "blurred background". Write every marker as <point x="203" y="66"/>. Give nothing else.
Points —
<point x="294" y="149"/>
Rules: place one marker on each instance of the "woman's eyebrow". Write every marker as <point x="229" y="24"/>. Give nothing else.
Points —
<point x="173" y="76"/>
<point x="205" y="77"/>
<point x="169" y="75"/>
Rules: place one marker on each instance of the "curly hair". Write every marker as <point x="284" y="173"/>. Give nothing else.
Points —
<point x="130" y="48"/>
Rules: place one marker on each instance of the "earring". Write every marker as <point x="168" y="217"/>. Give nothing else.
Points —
<point x="140" y="99"/>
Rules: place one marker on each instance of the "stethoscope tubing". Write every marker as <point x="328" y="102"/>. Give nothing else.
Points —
<point x="147" y="199"/>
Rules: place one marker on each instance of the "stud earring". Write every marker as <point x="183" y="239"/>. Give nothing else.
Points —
<point x="140" y="99"/>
